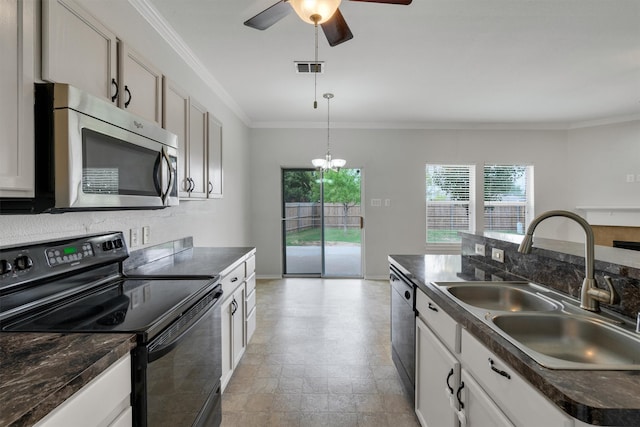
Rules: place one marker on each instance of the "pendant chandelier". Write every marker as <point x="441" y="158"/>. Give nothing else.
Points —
<point x="328" y="162"/>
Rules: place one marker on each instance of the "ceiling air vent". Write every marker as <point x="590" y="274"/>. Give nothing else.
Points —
<point x="309" y="67"/>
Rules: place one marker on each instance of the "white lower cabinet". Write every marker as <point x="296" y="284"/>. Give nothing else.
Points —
<point x="233" y="339"/>
<point x="105" y="401"/>
<point x="437" y="373"/>
<point x="461" y="382"/>
<point x="476" y="408"/>
<point x="524" y="405"/>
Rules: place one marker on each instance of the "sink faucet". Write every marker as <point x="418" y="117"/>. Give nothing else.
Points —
<point x="590" y="294"/>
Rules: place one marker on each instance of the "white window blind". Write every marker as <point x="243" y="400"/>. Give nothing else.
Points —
<point x="448" y="196"/>
<point x="507" y="197"/>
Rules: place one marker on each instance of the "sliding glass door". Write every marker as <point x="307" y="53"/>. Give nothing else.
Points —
<point x="322" y="223"/>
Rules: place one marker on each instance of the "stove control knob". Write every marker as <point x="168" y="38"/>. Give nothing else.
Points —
<point x="5" y="266"/>
<point x="107" y="246"/>
<point x="23" y="262"/>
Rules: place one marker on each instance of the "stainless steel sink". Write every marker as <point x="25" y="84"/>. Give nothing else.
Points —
<point x="548" y="326"/>
<point x="501" y="297"/>
<point x="564" y="341"/>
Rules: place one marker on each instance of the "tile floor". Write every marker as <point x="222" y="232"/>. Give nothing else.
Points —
<point x="320" y="356"/>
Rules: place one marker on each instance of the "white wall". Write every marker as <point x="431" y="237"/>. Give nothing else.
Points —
<point x="601" y="158"/>
<point x="393" y="163"/>
<point x="212" y="223"/>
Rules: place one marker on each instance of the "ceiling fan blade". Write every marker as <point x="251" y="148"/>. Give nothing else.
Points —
<point x="336" y="29"/>
<point x="403" y="2"/>
<point x="269" y="16"/>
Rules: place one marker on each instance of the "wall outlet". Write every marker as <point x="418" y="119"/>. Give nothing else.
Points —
<point x="146" y="234"/>
<point x="134" y="238"/>
<point x="497" y="255"/>
<point x="631" y="177"/>
<point x="376" y="202"/>
<point x="387" y="202"/>
<point x="479" y="274"/>
<point x="479" y="249"/>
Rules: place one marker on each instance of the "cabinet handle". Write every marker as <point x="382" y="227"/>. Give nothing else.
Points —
<point x="115" y="96"/>
<point x="432" y="307"/>
<point x="407" y="294"/>
<point x="449" y="376"/>
<point x="233" y="280"/>
<point x="499" y="371"/>
<point x="458" y="395"/>
<point x="210" y="187"/>
<point x="126" y="89"/>
<point x="191" y="185"/>
<point x="234" y="306"/>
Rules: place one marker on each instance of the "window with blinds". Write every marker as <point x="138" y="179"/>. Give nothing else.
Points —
<point x="449" y="209"/>
<point x="507" y="197"/>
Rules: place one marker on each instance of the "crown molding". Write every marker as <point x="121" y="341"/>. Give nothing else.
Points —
<point x="173" y="39"/>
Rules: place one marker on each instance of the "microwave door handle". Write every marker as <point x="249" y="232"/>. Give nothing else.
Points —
<point x="172" y="176"/>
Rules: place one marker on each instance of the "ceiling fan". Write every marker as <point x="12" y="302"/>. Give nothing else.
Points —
<point x="317" y="12"/>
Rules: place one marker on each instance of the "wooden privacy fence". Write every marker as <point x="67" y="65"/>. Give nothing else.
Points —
<point x="455" y="216"/>
<point x="304" y="216"/>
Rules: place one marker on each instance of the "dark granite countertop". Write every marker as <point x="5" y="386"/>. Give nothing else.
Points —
<point x="164" y="260"/>
<point x="595" y="397"/>
<point x="39" y="371"/>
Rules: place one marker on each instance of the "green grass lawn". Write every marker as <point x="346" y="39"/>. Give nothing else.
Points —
<point x="312" y="236"/>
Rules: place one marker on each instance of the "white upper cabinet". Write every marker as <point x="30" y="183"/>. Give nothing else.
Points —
<point x="197" y="150"/>
<point x="214" y="158"/>
<point x="79" y="50"/>
<point x="176" y="120"/>
<point x="140" y="85"/>
<point x="17" y="34"/>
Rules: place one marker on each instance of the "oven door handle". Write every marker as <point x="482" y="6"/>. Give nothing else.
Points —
<point x="166" y="348"/>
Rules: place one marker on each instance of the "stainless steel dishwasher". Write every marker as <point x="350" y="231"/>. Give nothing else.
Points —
<point x="403" y="328"/>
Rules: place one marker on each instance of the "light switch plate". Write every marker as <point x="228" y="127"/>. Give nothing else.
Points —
<point x="497" y="255"/>
<point x="146" y="234"/>
<point x="133" y="238"/>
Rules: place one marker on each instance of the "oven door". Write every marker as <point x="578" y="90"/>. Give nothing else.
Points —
<point x="177" y="375"/>
<point x="100" y="165"/>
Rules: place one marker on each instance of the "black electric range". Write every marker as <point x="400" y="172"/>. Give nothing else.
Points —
<point x="77" y="285"/>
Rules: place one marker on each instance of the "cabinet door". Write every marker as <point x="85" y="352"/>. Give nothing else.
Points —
<point x="141" y="85"/>
<point x="17" y="32"/>
<point x="197" y="150"/>
<point x="479" y="409"/>
<point x="239" y="339"/>
<point x="176" y="120"/>
<point x="227" y="341"/>
<point x="437" y="371"/>
<point x="77" y="49"/>
<point x="214" y="158"/>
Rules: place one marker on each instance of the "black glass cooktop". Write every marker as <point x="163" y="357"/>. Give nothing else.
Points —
<point x="136" y="306"/>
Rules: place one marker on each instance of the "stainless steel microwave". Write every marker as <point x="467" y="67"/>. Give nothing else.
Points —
<point x="91" y="155"/>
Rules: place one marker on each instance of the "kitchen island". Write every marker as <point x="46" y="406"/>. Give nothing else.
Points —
<point x="593" y="397"/>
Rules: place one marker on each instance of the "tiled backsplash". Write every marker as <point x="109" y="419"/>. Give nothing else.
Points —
<point x="558" y="270"/>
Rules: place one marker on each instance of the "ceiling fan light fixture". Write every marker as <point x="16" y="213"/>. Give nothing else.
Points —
<point x="315" y="11"/>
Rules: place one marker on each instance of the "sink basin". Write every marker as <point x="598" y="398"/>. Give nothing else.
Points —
<point x="501" y="297"/>
<point x="561" y="341"/>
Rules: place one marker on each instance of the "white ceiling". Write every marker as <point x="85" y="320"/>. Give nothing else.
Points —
<point x="434" y="62"/>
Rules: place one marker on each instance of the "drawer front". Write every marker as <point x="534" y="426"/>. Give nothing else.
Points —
<point x="251" y="283"/>
<point x="251" y="324"/>
<point x="231" y="281"/>
<point x="250" y="301"/>
<point x="439" y="321"/>
<point x="250" y="265"/>
<point x="509" y="393"/>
